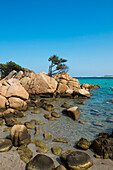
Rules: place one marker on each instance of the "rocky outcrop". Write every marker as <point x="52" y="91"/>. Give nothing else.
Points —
<point x="12" y="94"/>
<point x="41" y="83"/>
<point x="70" y="86"/>
<point x="89" y="87"/>
<point x="3" y="102"/>
<point x="17" y="103"/>
<point x="61" y="85"/>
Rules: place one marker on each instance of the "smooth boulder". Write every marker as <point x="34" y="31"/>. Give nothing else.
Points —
<point x="17" y="103"/>
<point x="5" y="145"/>
<point x="19" y="135"/>
<point x="78" y="160"/>
<point x="41" y="162"/>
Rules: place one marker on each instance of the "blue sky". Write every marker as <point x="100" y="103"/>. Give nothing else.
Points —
<point x="79" y="30"/>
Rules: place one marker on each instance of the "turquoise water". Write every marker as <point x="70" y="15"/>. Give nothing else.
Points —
<point x="101" y="82"/>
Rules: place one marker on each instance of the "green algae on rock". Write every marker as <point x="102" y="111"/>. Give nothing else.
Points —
<point x="5" y="145"/>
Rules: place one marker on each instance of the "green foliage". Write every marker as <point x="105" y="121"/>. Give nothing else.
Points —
<point x="59" y="65"/>
<point x="5" y="69"/>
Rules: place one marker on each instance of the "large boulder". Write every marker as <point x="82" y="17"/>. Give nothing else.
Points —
<point x="17" y="103"/>
<point x="84" y="93"/>
<point x="19" y="135"/>
<point x="3" y="102"/>
<point x="41" y="83"/>
<point x="72" y="112"/>
<point x="16" y="90"/>
<point x="78" y="160"/>
<point x="41" y="162"/>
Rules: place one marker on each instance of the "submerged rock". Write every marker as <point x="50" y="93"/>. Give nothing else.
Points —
<point x="54" y="114"/>
<point x="5" y="145"/>
<point x="44" y="149"/>
<point x="83" y="144"/>
<point x="25" y="153"/>
<point x="29" y="125"/>
<point x="41" y="162"/>
<point x="57" y="150"/>
<point x="65" y="105"/>
<point x="62" y="140"/>
<point x="72" y="112"/>
<point x="47" y="136"/>
<point x="37" y="131"/>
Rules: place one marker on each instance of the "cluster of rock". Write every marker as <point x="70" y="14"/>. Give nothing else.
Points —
<point x="12" y="94"/>
<point x="89" y="87"/>
<point x="62" y="85"/>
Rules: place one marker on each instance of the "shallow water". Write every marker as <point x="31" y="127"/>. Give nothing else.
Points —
<point x="96" y="113"/>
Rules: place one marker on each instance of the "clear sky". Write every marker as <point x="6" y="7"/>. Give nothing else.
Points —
<point x="79" y="30"/>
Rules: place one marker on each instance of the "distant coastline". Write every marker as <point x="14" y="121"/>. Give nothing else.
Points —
<point x="94" y="77"/>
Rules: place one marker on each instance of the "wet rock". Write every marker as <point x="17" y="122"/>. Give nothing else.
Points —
<point x="33" y="120"/>
<point x="11" y="122"/>
<point x="19" y="114"/>
<point x="80" y="102"/>
<point x="41" y="162"/>
<point x="64" y="155"/>
<point x="54" y="114"/>
<point x="78" y="160"/>
<point x="62" y="140"/>
<point x="47" y="115"/>
<point x="72" y="112"/>
<point x="37" y="131"/>
<point x="111" y="101"/>
<point x="82" y="122"/>
<point x="5" y="145"/>
<point x="103" y="146"/>
<point x="29" y="125"/>
<point x="19" y="135"/>
<point x="47" y="136"/>
<point x="7" y="129"/>
<point x="44" y="149"/>
<point x="83" y="144"/>
<point x="38" y="143"/>
<point x="57" y="150"/>
<point x="25" y="153"/>
<point x="35" y="111"/>
<point x="39" y="123"/>
<point x="60" y="167"/>
<point x="1" y="121"/>
<point x="52" y="118"/>
<point x="97" y="124"/>
<point x="48" y="106"/>
<point x="65" y="105"/>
